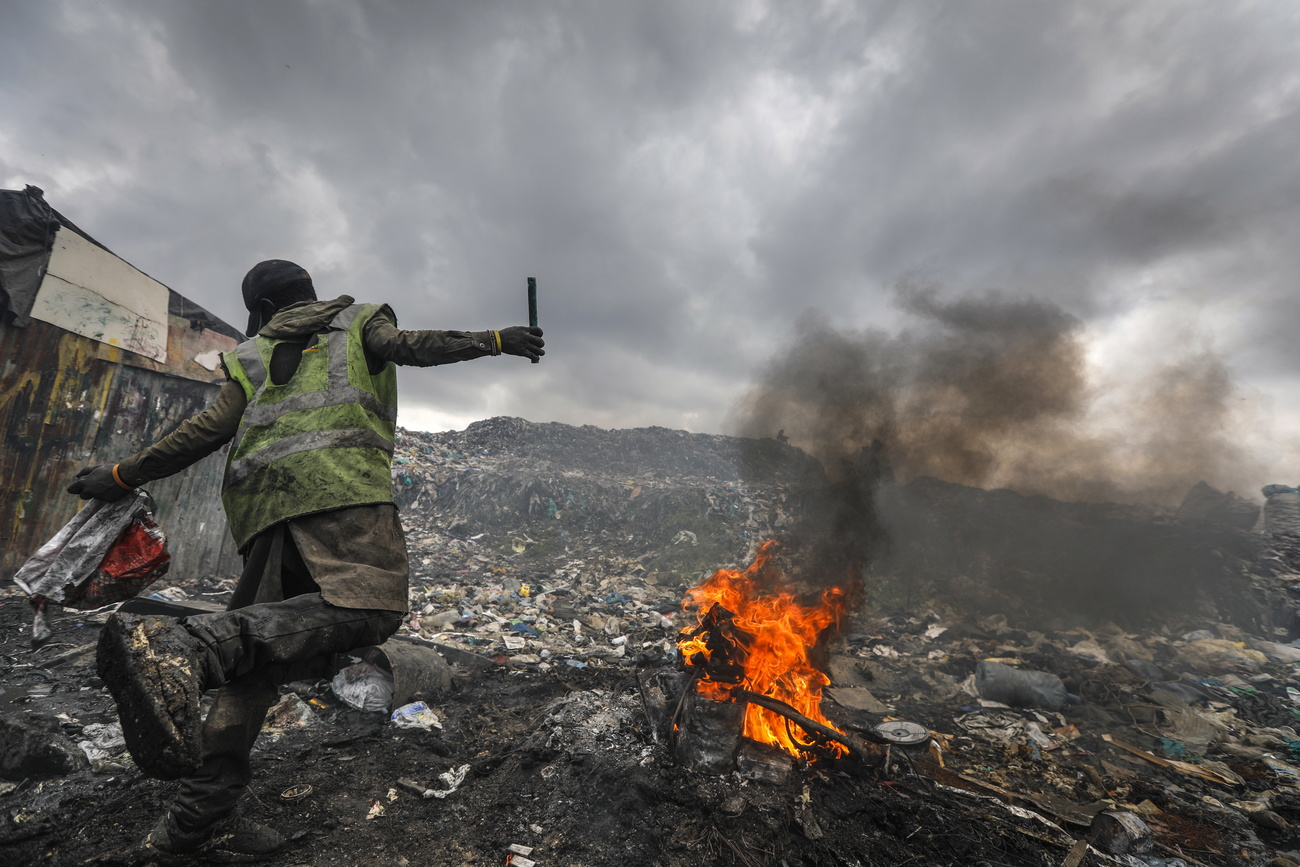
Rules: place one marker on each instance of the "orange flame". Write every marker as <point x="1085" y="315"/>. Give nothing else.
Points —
<point x="770" y="655"/>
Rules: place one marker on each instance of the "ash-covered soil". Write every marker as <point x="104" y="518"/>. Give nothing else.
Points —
<point x="563" y="762"/>
<point x="549" y="563"/>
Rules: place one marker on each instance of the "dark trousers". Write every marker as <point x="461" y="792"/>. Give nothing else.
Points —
<point x="277" y="630"/>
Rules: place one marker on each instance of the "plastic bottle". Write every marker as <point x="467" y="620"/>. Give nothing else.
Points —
<point x="1020" y="688"/>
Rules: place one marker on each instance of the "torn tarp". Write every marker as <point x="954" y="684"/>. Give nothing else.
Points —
<point x="27" y="227"/>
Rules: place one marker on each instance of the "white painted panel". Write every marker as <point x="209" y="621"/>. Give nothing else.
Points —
<point x="91" y="292"/>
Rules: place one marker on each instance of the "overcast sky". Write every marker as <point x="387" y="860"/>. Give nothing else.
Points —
<point x="687" y="180"/>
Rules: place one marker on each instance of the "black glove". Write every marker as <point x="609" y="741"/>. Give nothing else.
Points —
<point x="525" y="340"/>
<point x="97" y="483"/>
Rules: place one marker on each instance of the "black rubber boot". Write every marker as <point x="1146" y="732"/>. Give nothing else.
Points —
<point x="157" y="672"/>
<point x="236" y="840"/>
<point x="210" y="794"/>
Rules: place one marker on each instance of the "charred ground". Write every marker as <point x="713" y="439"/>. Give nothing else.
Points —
<point x="540" y="525"/>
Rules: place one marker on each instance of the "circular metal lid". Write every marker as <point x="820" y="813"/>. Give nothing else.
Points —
<point x="296" y="793"/>
<point x="903" y="733"/>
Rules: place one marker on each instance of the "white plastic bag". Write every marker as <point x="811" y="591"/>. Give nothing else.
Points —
<point x="364" y="686"/>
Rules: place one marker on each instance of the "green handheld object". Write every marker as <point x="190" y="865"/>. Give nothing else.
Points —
<point x="532" y="305"/>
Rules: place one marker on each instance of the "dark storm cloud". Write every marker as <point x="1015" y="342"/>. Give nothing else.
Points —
<point x="1052" y="141"/>
<point x="685" y="179"/>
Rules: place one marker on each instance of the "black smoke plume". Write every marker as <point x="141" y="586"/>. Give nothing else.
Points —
<point x="994" y="392"/>
<point x="970" y="459"/>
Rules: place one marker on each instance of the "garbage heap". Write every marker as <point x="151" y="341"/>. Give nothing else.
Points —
<point x="1093" y="684"/>
<point x="1159" y="721"/>
<point x="548" y="544"/>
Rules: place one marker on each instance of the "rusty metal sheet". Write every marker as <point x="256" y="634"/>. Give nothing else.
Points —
<point x="191" y="353"/>
<point x="63" y="407"/>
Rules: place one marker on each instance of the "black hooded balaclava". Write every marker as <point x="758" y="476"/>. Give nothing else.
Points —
<point x="276" y="280"/>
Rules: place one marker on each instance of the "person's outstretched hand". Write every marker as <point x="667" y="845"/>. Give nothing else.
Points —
<point x="525" y="340"/>
<point x="97" y="483"/>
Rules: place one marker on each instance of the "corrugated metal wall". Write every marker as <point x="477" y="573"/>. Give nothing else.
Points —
<point x="66" y="402"/>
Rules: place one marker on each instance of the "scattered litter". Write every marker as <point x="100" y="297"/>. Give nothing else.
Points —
<point x="1225" y="777"/>
<point x="1120" y="834"/>
<point x="903" y="733"/>
<point x="1019" y="688"/>
<point x="289" y="712"/>
<point x="451" y="779"/>
<point x="416" y="715"/>
<point x="857" y="698"/>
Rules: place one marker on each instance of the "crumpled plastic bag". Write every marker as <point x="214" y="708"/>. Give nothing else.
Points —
<point x="364" y="686"/>
<point x="106" y="553"/>
<point x="1019" y="687"/>
<point x="102" y="741"/>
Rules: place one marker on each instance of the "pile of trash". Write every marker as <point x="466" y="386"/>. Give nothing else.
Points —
<point x="1096" y="683"/>
<point x="1193" y="738"/>
<point x="546" y="544"/>
<point x="549" y="544"/>
<point x="1046" y="562"/>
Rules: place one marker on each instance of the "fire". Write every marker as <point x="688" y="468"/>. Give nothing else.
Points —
<point x="753" y="633"/>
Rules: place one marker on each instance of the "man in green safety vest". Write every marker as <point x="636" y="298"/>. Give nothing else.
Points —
<point x="310" y="411"/>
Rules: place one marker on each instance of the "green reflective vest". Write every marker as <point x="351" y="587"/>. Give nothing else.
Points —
<point x="321" y="441"/>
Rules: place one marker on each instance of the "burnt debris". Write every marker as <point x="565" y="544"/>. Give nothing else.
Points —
<point x="550" y="565"/>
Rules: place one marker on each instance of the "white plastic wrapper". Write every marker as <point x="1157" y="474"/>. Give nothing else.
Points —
<point x="364" y="686"/>
<point x="416" y="715"/>
<point x="102" y="741"/>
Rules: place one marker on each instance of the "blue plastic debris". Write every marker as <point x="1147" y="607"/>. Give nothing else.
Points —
<point x="1172" y="748"/>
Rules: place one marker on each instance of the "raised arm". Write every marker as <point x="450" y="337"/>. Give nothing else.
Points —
<point x="386" y="342"/>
